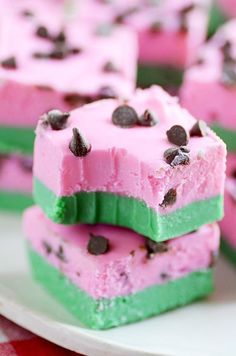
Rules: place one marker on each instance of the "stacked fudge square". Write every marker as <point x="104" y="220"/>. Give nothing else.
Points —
<point x="215" y="73"/>
<point x="127" y="194"/>
<point x="53" y="64"/>
<point x="169" y="33"/>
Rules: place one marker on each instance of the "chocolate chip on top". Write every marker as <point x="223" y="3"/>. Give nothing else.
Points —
<point x="78" y="145"/>
<point x="98" y="245"/>
<point x="147" y="119"/>
<point x="60" y="37"/>
<point x="9" y="63"/>
<point x="199" y="129"/>
<point x="169" y="198"/>
<point x="178" y="135"/>
<point x="42" y="32"/>
<point x="226" y="50"/>
<point x="109" y="67"/>
<point x="153" y="247"/>
<point x="56" y="119"/>
<point x="177" y="156"/>
<point x="124" y="116"/>
<point x="228" y="76"/>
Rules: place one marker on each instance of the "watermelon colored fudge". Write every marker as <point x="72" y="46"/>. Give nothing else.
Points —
<point x="15" y="182"/>
<point x="209" y="87"/>
<point x="145" y="164"/>
<point x="61" y="63"/>
<point x="169" y="33"/>
<point x="108" y="276"/>
<point x="228" y="225"/>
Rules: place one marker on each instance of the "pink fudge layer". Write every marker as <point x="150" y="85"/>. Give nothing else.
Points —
<point x="203" y="93"/>
<point x="16" y="173"/>
<point x="125" y="268"/>
<point x="171" y="45"/>
<point x="130" y="161"/>
<point x="228" y="7"/>
<point x="40" y="84"/>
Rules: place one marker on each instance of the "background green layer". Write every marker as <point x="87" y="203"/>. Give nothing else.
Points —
<point x="165" y="76"/>
<point x="107" y="208"/>
<point x="228" y="250"/>
<point x="14" y="201"/>
<point x="227" y="135"/>
<point x="107" y="313"/>
<point x="16" y="139"/>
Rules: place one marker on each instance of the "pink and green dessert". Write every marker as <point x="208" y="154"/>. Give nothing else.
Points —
<point x="108" y="276"/>
<point x="170" y="33"/>
<point x="209" y="88"/>
<point x="60" y="63"/>
<point x="144" y="163"/>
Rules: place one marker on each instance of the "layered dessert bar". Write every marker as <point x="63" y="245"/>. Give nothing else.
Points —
<point x="108" y="276"/>
<point x="169" y="32"/>
<point x="228" y="224"/>
<point x="209" y="88"/>
<point x="61" y="63"/>
<point x="144" y="163"/>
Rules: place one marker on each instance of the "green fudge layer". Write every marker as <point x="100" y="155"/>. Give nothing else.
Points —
<point x="227" y="135"/>
<point x="16" y="139"/>
<point x="228" y="250"/>
<point x="108" y="208"/>
<point x="15" y="201"/>
<point x="165" y="76"/>
<point x="108" y="313"/>
<point x="217" y="19"/>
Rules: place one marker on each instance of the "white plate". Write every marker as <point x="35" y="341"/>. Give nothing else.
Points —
<point x="204" y="328"/>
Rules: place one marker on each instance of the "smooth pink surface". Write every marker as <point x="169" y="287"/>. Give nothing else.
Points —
<point x="24" y="93"/>
<point x="130" y="161"/>
<point x="15" y="175"/>
<point x="125" y="269"/>
<point x="170" y="46"/>
<point x="228" y="6"/>
<point x="202" y="93"/>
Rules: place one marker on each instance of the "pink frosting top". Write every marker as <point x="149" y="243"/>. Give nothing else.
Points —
<point x="38" y="85"/>
<point x="228" y="6"/>
<point x="130" y="161"/>
<point x="125" y="268"/>
<point x="204" y="78"/>
<point x="177" y="48"/>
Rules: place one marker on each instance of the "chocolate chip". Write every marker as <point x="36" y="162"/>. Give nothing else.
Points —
<point x="199" y="129"/>
<point x="26" y="164"/>
<point x="177" y="156"/>
<point x="47" y="247"/>
<point x="164" y="275"/>
<point x="228" y="77"/>
<point x="74" y="100"/>
<point x="169" y="198"/>
<point x="156" y="27"/>
<point x="124" y="116"/>
<point x="97" y="245"/>
<point x="40" y="55"/>
<point x="109" y="67"/>
<point x="61" y="254"/>
<point x="75" y="50"/>
<point x="59" y="52"/>
<point x="147" y="119"/>
<point x="177" y="135"/>
<point x="106" y="92"/>
<point x="56" y="119"/>
<point x="226" y="49"/>
<point x="27" y="13"/>
<point x="233" y="174"/>
<point x="42" y="32"/>
<point x="214" y="258"/>
<point x="153" y="247"/>
<point x="9" y="63"/>
<point x="78" y="146"/>
<point x="60" y="37"/>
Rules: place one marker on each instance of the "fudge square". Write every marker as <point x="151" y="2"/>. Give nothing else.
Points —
<point x="109" y="276"/>
<point x="145" y="164"/>
<point x="209" y="87"/>
<point x="61" y="63"/>
<point x="170" y="32"/>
